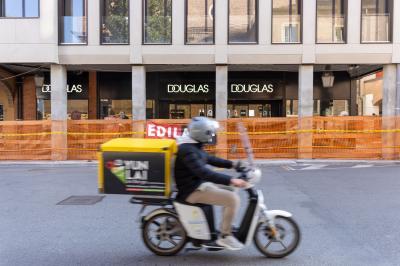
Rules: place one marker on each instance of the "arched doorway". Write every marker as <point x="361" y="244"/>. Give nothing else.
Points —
<point x="7" y="110"/>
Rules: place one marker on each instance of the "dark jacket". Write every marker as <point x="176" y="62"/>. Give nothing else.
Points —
<point x="191" y="169"/>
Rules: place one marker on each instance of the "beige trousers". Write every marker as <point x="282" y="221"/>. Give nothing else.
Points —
<point x="209" y="193"/>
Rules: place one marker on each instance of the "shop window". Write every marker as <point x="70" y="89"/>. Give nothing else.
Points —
<point x="243" y="26"/>
<point x="369" y="95"/>
<point x="186" y="111"/>
<point x="317" y="108"/>
<point x="157" y="21"/>
<point x="292" y="108"/>
<point x="331" y="20"/>
<point x="78" y="109"/>
<point x="19" y="8"/>
<point x="286" y="21"/>
<point x="73" y="22"/>
<point x="77" y="96"/>
<point x="256" y="110"/>
<point x="150" y="109"/>
<point x="331" y="107"/>
<point x="199" y="21"/>
<point x="115" y="109"/>
<point x="115" y="22"/>
<point x="43" y="109"/>
<point x="376" y="20"/>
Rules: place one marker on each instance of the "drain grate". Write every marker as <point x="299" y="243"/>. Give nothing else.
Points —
<point x="81" y="200"/>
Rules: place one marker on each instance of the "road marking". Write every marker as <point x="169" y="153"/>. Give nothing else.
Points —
<point x="303" y="167"/>
<point x="314" y="167"/>
<point x="362" y="166"/>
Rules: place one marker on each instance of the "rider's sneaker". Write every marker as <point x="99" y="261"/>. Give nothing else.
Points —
<point x="212" y="245"/>
<point x="230" y="242"/>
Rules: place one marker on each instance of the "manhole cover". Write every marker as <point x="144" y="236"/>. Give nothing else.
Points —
<point x="81" y="200"/>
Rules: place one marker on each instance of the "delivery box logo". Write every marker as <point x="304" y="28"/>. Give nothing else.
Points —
<point x="129" y="171"/>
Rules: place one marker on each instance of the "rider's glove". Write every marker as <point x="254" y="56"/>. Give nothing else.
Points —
<point x="239" y="166"/>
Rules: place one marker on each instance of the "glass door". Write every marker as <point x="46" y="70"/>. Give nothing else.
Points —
<point x="187" y="111"/>
<point x="179" y="111"/>
<point x="241" y="110"/>
<point x="254" y="110"/>
<point x="110" y="109"/>
<point x="197" y="110"/>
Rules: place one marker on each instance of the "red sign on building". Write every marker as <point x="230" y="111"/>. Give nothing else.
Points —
<point x="164" y="131"/>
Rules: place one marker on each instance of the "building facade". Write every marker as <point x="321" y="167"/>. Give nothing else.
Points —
<point x="95" y="59"/>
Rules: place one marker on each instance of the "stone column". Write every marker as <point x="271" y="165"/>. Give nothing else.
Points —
<point x="138" y="99"/>
<point x="264" y="19"/>
<point x="93" y="95"/>
<point x="388" y="110"/>
<point x="178" y="22"/>
<point x="136" y="30"/>
<point x="138" y="92"/>
<point x="306" y="104"/>
<point x="309" y="24"/>
<point x="221" y="107"/>
<point x="306" y="90"/>
<point x="398" y="91"/>
<point x="398" y="113"/>
<point x="94" y="21"/>
<point x="221" y="92"/>
<point x="221" y="31"/>
<point x="59" y="115"/>
<point x="354" y="21"/>
<point x="389" y="90"/>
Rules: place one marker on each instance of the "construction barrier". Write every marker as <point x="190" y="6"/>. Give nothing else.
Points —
<point x="271" y="138"/>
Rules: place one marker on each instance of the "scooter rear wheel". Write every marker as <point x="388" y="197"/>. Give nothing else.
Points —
<point x="285" y="244"/>
<point x="164" y="235"/>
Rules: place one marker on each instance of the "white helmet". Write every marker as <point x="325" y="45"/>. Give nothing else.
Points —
<point x="203" y="129"/>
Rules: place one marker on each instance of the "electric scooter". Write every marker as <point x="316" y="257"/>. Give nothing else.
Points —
<point x="167" y="230"/>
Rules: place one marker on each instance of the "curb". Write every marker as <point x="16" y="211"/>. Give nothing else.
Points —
<point x="257" y="162"/>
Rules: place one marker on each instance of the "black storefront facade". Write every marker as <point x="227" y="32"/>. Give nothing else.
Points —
<point x="77" y="95"/>
<point x="179" y="95"/>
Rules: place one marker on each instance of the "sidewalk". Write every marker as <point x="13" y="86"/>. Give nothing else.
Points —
<point x="257" y="162"/>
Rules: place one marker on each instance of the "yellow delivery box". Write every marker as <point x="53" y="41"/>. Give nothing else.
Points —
<point x="141" y="167"/>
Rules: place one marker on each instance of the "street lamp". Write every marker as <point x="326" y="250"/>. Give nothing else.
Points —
<point x="328" y="78"/>
<point x="39" y="80"/>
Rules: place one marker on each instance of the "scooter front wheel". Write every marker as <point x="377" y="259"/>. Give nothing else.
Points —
<point x="164" y="235"/>
<point x="280" y="242"/>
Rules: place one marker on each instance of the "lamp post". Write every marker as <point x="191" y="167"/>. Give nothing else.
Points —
<point x="39" y="80"/>
<point x="327" y="78"/>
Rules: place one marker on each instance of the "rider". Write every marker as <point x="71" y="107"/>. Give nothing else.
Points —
<point x="197" y="183"/>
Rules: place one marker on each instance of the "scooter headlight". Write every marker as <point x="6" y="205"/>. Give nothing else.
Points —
<point x="254" y="175"/>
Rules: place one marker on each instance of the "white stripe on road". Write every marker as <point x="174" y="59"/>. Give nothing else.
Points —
<point x="314" y="167"/>
<point x="362" y="166"/>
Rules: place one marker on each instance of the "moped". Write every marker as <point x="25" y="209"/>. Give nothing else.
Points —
<point x="167" y="229"/>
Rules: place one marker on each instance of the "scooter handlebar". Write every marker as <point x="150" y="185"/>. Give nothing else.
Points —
<point x="251" y="175"/>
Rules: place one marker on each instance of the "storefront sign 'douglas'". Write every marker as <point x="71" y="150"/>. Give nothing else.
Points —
<point x="234" y="88"/>
<point x="77" y="88"/>
<point x="188" y="88"/>
<point x="252" y="88"/>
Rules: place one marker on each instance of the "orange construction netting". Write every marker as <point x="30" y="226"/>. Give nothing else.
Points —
<point x="271" y="138"/>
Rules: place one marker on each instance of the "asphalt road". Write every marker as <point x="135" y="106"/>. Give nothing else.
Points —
<point x="348" y="216"/>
